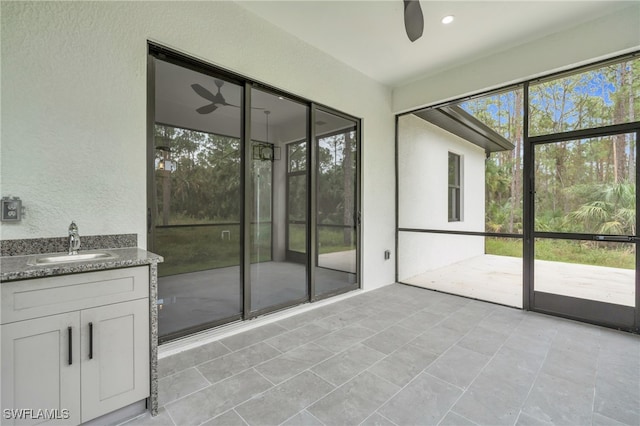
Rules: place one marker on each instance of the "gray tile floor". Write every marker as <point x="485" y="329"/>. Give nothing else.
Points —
<point x="407" y="356"/>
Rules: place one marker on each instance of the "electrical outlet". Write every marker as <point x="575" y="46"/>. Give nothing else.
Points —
<point x="11" y="209"/>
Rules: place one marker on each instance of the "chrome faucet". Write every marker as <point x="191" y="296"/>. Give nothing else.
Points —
<point x="74" y="238"/>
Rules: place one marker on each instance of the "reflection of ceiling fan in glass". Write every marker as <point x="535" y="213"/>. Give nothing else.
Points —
<point x="216" y="100"/>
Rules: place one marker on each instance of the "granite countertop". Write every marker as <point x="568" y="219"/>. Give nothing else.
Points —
<point x="14" y="268"/>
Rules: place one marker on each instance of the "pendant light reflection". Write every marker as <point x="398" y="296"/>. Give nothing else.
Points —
<point x="266" y="151"/>
<point x="164" y="162"/>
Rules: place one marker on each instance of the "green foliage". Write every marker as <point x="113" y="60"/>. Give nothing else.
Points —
<point x="585" y="186"/>
<point x="503" y="246"/>
<point x="199" y="248"/>
<point x="188" y="192"/>
<point x="614" y="255"/>
<point x="612" y="211"/>
<point x="191" y="249"/>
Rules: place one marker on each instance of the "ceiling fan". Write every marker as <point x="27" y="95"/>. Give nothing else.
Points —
<point x="216" y="100"/>
<point x="413" y="19"/>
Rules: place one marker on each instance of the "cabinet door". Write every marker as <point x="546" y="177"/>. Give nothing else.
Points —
<point x="40" y="377"/>
<point x="115" y="356"/>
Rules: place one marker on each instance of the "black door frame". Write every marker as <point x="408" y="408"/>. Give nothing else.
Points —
<point x="357" y="202"/>
<point x="586" y="310"/>
<point x="531" y="300"/>
<point x="157" y="51"/>
<point x="292" y="255"/>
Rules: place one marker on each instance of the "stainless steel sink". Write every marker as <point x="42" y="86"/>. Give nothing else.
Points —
<point x="66" y="258"/>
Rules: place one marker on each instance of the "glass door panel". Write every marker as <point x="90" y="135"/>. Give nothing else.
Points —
<point x="336" y="142"/>
<point x="585" y="228"/>
<point x="277" y="280"/>
<point x="593" y="270"/>
<point x="197" y="200"/>
<point x="297" y="202"/>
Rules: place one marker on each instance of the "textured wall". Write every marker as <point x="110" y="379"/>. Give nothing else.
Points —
<point x="74" y="109"/>
<point x="605" y="37"/>
<point x="423" y="197"/>
<point x="423" y="153"/>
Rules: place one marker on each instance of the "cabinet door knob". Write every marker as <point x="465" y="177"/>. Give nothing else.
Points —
<point x="70" y="333"/>
<point x="90" y="340"/>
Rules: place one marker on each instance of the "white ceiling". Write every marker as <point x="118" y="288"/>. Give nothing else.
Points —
<point x="369" y="35"/>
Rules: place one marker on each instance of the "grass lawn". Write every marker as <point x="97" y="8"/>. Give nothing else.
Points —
<point x="616" y="255"/>
<point x="198" y="248"/>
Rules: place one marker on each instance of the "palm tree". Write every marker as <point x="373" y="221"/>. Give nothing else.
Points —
<point x="612" y="212"/>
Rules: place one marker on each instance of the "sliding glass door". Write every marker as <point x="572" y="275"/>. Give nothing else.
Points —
<point x="233" y="185"/>
<point x="336" y="227"/>
<point x="196" y="199"/>
<point x="277" y="279"/>
<point x="296" y="202"/>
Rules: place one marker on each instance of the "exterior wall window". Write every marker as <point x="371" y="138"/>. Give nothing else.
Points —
<point x="455" y="210"/>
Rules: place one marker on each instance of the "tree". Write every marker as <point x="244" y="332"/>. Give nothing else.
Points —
<point x="349" y="194"/>
<point x="612" y="210"/>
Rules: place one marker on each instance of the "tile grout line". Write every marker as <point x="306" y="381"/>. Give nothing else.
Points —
<point x="273" y="385"/>
<point x="535" y="379"/>
<point x="386" y="418"/>
<point x="171" y="417"/>
<point x="303" y="410"/>
<point x="280" y="384"/>
<point x="344" y="384"/>
<point x="459" y="415"/>
<point x="312" y="415"/>
<point x="227" y="347"/>
<point x="220" y="381"/>
<point x="333" y="355"/>
<point x="595" y="380"/>
<point x="253" y="367"/>
<point x="239" y="415"/>
<point x="184" y="396"/>
<point x="464" y="391"/>
<point x="424" y="369"/>
<point x="376" y="413"/>
<point x="235" y="353"/>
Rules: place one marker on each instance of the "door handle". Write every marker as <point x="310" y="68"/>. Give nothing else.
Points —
<point x="614" y="238"/>
<point x="90" y="340"/>
<point x="70" y="333"/>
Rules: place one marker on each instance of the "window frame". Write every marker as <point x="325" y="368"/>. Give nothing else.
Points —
<point x="454" y="189"/>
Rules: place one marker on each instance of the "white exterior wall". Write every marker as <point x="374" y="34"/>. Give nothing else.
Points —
<point x="74" y="109"/>
<point x="423" y="151"/>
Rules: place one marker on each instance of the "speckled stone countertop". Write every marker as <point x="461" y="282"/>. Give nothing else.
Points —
<point x="20" y="267"/>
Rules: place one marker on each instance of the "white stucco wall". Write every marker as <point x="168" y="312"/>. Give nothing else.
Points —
<point x="74" y="109"/>
<point x="424" y="252"/>
<point x="606" y="37"/>
<point x="423" y="150"/>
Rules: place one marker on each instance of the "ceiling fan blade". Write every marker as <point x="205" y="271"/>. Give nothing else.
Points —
<point x="413" y="19"/>
<point x="207" y="109"/>
<point x="204" y="92"/>
<point x="226" y="104"/>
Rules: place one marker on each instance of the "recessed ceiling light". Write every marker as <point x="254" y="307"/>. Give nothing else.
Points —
<point x="447" y="19"/>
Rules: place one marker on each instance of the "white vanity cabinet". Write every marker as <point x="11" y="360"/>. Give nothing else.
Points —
<point x="76" y="346"/>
